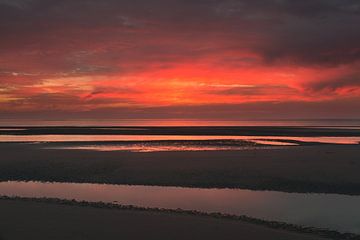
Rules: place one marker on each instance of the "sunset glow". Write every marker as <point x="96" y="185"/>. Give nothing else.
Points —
<point x="179" y="59"/>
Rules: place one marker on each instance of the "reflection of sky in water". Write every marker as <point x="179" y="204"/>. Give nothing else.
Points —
<point x="333" y="211"/>
<point x="95" y="138"/>
<point x="157" y="148"/>
<point x="339" y="127"/>
<point x="12" y="129"/>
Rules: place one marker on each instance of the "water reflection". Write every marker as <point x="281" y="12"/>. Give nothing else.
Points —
<point x="148" y="147"/>
<point x="333" y="211"/>
<point x="278" y="140"/>
<point x="12" y="129"/>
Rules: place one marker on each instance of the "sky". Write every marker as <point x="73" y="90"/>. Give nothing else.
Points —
<point x="201" y="59"/>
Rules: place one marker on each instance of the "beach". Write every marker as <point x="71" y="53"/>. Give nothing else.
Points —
<point x="318" y="165"/>
<point x="318" y="168"/>
<point x="21" y="219"/>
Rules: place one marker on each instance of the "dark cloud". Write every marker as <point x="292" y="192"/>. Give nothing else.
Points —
<point x="111" y="90"/>
<point x="332" y="85"/>
<point x="315" y="33"/>
<point x="257" y="90"/>
<point x="20" y="4"/>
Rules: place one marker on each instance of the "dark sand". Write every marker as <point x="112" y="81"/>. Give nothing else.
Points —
<point x="320" y="168"/>
<point x="38" y="220"/>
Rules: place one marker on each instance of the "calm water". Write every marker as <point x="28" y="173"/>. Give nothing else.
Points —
<point x="332" y="211"/>
<point x="148" y="147"/>
<point x="272" y="140"/>
<point x="147" y="143"/>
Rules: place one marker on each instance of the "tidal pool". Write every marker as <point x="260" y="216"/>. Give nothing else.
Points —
<point x="261" y="140"/>
<point x="331" y="211"/>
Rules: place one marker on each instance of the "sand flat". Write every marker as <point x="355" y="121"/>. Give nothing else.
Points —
<point x="37" y="220"/>
<point x="317" y="168"/>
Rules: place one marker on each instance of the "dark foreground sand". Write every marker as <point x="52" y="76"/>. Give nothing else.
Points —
<point x="38" y="220"/>
<point x="319" y="168"/>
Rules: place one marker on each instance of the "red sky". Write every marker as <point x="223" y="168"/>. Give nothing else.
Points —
<point x="179" y="59"/>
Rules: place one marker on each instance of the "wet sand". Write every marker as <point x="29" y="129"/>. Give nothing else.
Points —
<point x="40" y="220"/>
<point x="317" y="168"/>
